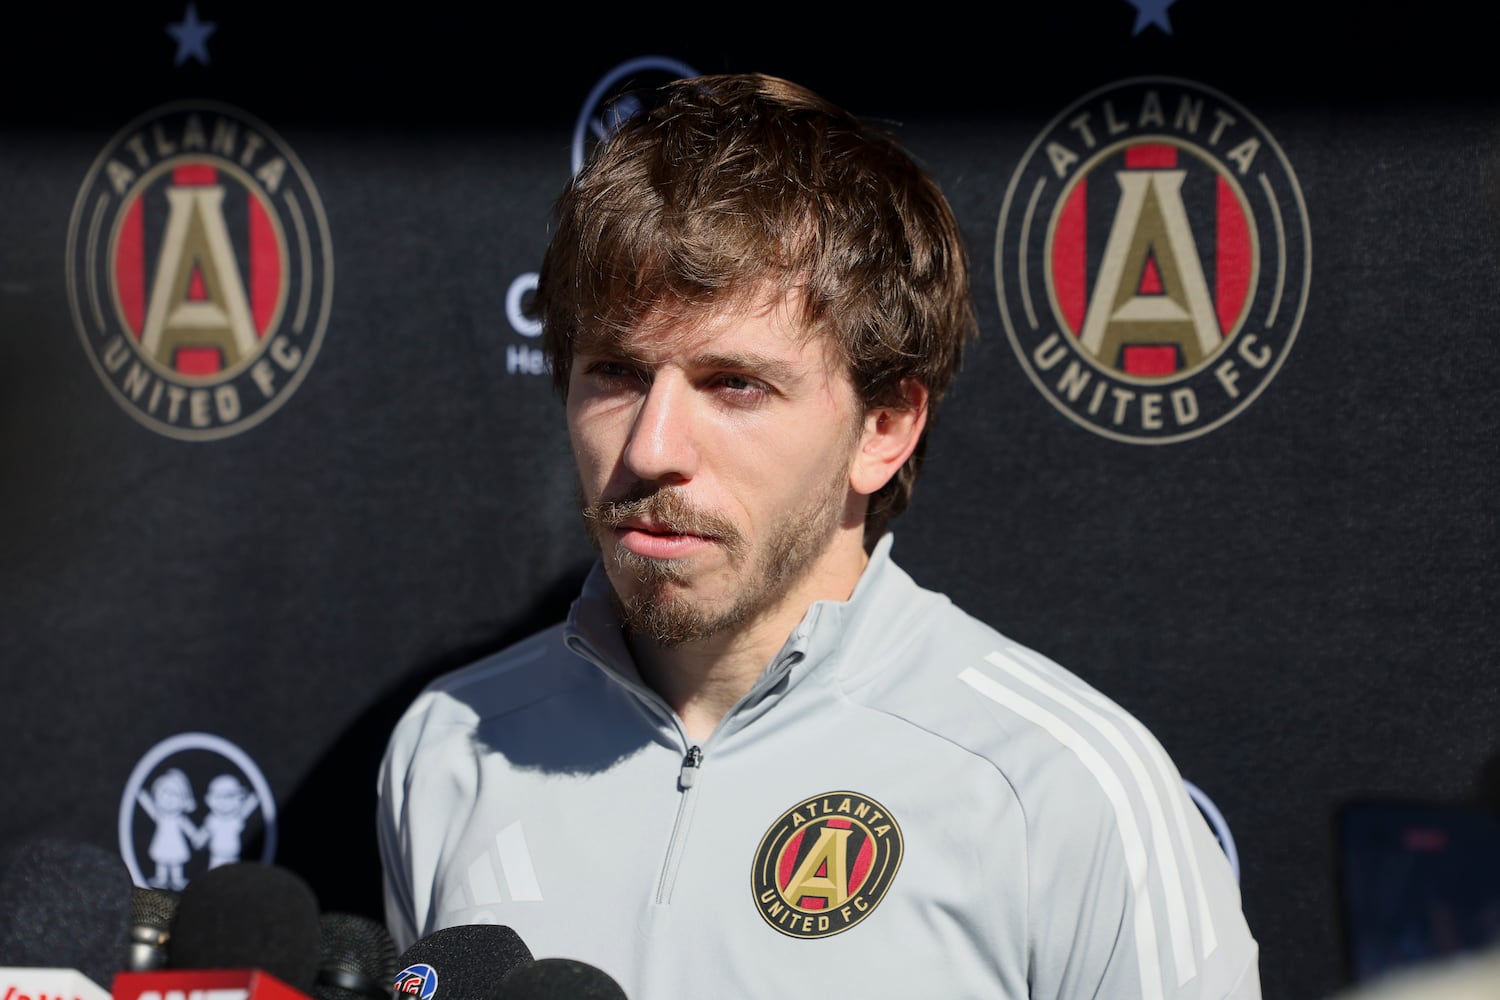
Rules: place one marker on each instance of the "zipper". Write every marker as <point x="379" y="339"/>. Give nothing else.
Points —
<point x="649" y="703"/>
<point x="688" y="773"/>
<point x="687" y="777"/>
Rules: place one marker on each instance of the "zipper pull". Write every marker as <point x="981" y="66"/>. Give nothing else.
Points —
<point x="690" y="765"/>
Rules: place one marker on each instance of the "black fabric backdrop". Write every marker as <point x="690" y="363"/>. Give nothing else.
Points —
<point x="1300" y="603"/>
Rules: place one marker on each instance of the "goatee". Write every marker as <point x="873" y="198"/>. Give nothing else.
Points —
<point x="659" y="608"/>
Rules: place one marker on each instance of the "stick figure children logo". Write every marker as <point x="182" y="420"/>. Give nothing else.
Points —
<point x="165" y="838"/>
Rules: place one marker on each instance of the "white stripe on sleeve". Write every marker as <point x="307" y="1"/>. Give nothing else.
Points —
<point x="1147" y="958"/>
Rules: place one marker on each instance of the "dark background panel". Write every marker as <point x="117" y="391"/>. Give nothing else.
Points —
<point x="1301" y="604"/>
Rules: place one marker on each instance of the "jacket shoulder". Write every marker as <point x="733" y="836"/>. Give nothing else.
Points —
<point x="508" y="680"/>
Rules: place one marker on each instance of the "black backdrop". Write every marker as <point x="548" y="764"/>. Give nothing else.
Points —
<point x="1301" y="602"/>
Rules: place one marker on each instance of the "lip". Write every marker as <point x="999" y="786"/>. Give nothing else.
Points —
<point x="659" y="542"/>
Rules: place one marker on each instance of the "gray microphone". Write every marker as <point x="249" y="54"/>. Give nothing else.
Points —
<point x="560" y="979"/>
<point x="248" y="915"/>
<point x="463" y="962"/>
<point x="151" y="914"/>
<point x="357" y="960"/>
<point x="65" y="904"/>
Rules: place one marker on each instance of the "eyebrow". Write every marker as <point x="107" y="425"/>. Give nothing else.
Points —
<point x="770" y="368"/>
<point x="762" y="365"/>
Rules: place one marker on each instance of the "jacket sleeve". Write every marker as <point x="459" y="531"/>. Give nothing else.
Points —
<point x="390" y="828"/>
<point x="1131" y="894"/>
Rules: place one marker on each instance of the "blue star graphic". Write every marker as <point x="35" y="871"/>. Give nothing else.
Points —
<point x="192" y="36"/>
<point x="1149" y="12"/>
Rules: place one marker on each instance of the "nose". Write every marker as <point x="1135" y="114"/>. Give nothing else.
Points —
<point x="663" y="445"/>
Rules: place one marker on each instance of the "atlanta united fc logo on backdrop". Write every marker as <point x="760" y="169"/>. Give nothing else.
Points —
<point x="1152" y="260"/>
<point x="200" y="270"/>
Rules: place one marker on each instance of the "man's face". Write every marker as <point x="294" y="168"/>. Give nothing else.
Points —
<point x="713" y="460"/>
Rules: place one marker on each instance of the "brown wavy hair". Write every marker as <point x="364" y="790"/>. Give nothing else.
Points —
<point x="732" y="183"/>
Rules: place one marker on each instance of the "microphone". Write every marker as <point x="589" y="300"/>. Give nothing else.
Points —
<point x="151" y="913"/>
<point x="561" y="979"/>
<point x="248" y="915"/>
<point x="462" y="962"/>
<point x="357" y="959"/>
<point x="64" y="908"/>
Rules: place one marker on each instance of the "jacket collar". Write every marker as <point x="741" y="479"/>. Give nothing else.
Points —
<point x="593" y="631"/>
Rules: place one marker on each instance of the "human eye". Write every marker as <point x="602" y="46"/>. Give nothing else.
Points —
<point x="740" y="388"/>
<point x="616" y="371"/>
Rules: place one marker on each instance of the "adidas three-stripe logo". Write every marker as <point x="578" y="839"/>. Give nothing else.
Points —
<point x="514" y="856"/>
<point x="1131" y="768"/>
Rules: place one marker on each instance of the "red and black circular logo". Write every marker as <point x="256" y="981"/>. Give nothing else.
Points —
<point x="825" y="864"/>
<point x="200" y="270"/>
<point x="1152" y="260"/>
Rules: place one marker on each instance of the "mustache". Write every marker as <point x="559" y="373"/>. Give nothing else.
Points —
<point x="665" y="507"/>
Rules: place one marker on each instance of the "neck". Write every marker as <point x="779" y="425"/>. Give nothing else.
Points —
<point x="702" y="680"/>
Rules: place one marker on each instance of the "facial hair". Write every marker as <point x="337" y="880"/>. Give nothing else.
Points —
<point x="660" y="610"/>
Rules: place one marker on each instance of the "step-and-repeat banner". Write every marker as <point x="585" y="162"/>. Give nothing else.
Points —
<point x="278" y="445"/>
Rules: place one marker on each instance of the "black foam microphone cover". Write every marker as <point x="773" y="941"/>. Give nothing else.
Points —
<point x="469" y="961"/>
<point x="248" y="915"/>
<point x="561" y="979"/>
<point x="65" y="904"/>
<point x="357" y="958"/>
<point x="151" y="913"/>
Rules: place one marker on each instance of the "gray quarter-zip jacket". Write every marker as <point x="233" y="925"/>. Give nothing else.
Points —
<point x="906" y="804"/>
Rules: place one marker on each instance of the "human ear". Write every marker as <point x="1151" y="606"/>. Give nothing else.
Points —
<point x="889" y="436"/>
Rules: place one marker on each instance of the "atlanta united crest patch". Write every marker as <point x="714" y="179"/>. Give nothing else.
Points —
<point x="1152" y="260"/>
<point x="199" y="270"/>
<point x="825" y="864"/>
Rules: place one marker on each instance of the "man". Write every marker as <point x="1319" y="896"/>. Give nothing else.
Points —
<point x="757" y="759"/>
